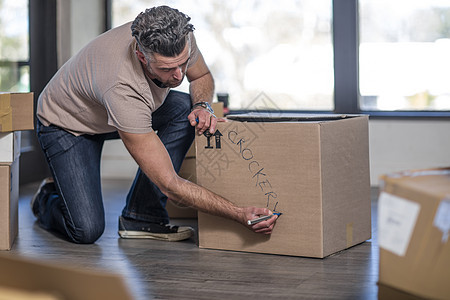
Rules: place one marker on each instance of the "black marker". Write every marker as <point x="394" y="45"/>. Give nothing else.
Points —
<point x="263" y="218"/>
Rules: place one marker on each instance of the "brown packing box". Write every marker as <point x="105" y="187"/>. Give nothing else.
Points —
<point x="388" y="293"/>
<point x="17" y="294"/>
<point x="413" y="227"/>
<point x="313" y="169"/>
<point x="188" y="171"/>
<point x="60" y="281"/>
<point x="16" y="112"/>
<point x="9" y="199"/>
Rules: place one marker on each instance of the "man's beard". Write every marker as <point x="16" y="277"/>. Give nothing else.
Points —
<point x="163" y="84"/>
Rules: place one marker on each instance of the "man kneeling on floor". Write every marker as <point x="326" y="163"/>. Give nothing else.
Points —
<point x="118" y="86"/>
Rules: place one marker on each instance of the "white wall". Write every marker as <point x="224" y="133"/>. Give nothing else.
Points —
<point x="79" y="21"/>
<point x="407" y="144"/>
<point x="117" y="162"/>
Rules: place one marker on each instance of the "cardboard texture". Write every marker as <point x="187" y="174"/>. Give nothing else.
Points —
<point x="9" y="202"/>
<point x="16" y="112"/>
<point x="9" y="146"/>
<point x="61" y="281"/>
<point x="16" y="294"/>
<point x="388" y="293"/>
<point x="188" y="171"/>
<point x="313" y="170"/>
<point x="414" y="223"/>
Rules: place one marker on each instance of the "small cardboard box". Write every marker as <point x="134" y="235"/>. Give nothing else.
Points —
<point x="188" y="171"/>
<point x="313" y="169"/>
<point x="388" y="293"/>
<point x="16" y="112"/>
<point x="59" y="281"/>
<point x="413" y="228"/>
<point x="9" y="146"/>
<point x="9" y="203"/>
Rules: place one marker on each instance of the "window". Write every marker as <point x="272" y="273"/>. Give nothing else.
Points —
<point x="14" y="54"/>
<point x="389" y="58"/>
<point x="404" y="55"/>
<point x="280" y="50"/>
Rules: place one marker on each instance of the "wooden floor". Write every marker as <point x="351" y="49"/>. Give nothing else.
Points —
<point x="180" y="270"/>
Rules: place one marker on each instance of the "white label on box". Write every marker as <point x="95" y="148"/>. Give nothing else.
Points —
<point x="442" y="219"/>
<point x="396" y="220"/>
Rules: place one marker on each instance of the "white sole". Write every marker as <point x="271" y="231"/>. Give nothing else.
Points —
<point x="169" y="237"/>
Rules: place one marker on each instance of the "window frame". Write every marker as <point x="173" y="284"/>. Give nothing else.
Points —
<point x="346" y="68"/>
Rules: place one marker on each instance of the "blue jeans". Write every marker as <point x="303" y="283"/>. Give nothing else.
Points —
<point x="75" y="209"/>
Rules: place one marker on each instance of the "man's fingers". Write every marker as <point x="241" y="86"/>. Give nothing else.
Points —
<point x="212" y="125"/>
<point x="265" y="226"/>
<point x="206" y="121"/>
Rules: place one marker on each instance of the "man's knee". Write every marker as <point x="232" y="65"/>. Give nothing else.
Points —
<point x="88" y="233"/>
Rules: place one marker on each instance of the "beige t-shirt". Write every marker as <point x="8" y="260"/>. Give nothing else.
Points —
<point x="103" y="88"/>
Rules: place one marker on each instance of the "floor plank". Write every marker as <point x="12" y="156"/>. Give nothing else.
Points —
<point x="180" y="270"/>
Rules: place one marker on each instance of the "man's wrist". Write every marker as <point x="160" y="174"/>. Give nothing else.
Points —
<point x="204" y="105"/>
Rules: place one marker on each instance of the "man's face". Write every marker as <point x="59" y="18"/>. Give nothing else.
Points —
<point x="170" y="71"/>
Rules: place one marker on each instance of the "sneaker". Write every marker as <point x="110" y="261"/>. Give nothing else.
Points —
<point x="47" y="186"/>
<point x="131" y="229"/>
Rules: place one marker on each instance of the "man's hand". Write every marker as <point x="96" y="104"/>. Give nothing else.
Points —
<point x="203" y="120"/>
<point x="264" y="227"/>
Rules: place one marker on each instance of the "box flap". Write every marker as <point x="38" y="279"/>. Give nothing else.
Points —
<point x="5" y="112"/>
<point x="67" y="281"/>
<point x="278" y="116"/>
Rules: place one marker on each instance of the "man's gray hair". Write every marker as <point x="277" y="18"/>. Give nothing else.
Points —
<point x="161" y="30"/>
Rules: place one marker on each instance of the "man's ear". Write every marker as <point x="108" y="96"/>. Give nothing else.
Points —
<point x="141" y="57"/>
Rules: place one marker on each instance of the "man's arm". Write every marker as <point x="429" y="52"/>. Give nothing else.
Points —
<point x="201" y="89"/>
<point x="155" y="162"/>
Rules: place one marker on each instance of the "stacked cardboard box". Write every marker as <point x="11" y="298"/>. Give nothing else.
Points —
<point x="188" y="171"/>
<point x="16" y="114"/>
<point x="312" y="168"/>
<point x="413" y="231"/>
<point x="24" y="278"/>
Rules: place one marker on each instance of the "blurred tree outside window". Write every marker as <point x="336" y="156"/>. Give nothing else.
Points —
<point x="14" y="50"/>
<point x="277" y="50"/>
<point x="404" y="55"/>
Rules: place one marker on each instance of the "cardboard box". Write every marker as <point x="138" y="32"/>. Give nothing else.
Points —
<point x="17" y="294"/>
<point x="388" y="293"/>
<point x="188" y="171"/>
<point x="61" y="281"/>
<point x="16" y="111"/>
<point x="9" y="202"/>
<point x="413" y="228"/>
<point x="9" y="146"/>
<point x="313" y="169"/>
